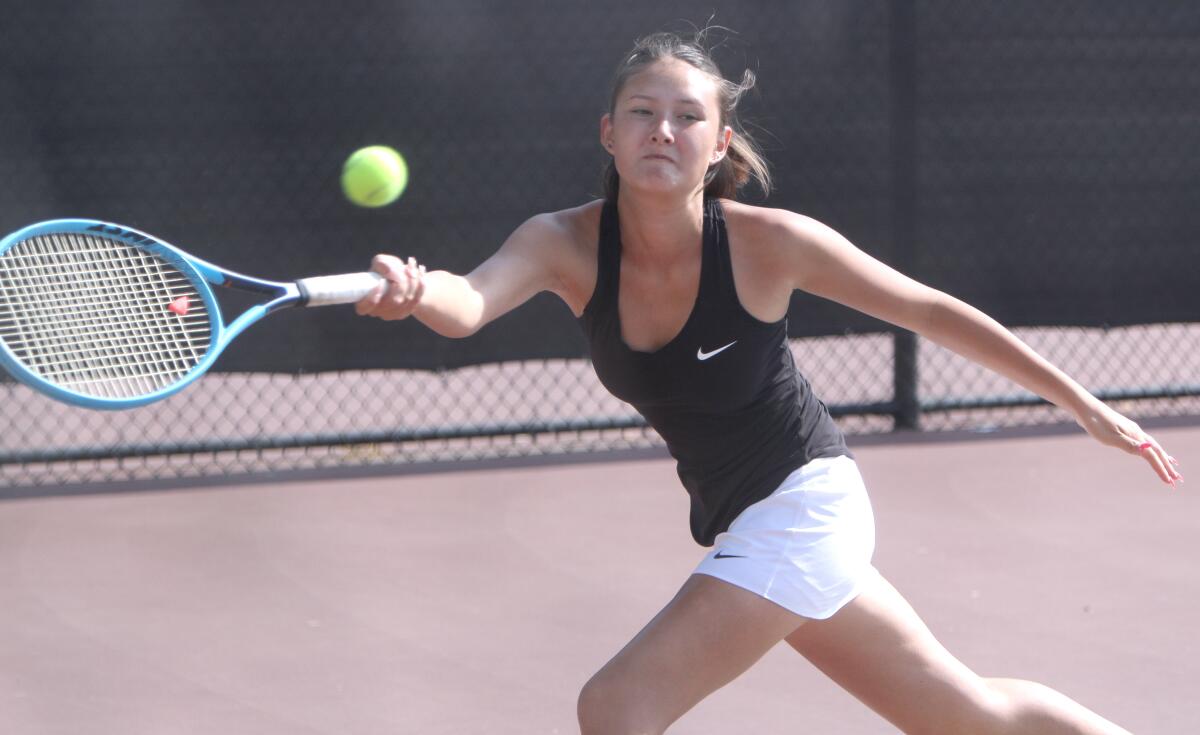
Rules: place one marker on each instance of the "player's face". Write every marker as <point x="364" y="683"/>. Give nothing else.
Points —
<point x="665" y="129"/>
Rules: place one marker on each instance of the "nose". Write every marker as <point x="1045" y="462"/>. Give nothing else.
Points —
<point x="662" y="132"/>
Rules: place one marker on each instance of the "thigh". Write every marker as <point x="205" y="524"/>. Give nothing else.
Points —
<point x="704" y="638"/>
<point x="879" y="650"/>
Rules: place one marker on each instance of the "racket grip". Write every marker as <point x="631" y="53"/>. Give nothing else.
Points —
<point x="344" y="289"/>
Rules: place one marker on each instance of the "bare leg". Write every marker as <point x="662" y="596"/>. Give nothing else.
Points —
<point x="703" y="639"/>
<point x="879" y="650"/>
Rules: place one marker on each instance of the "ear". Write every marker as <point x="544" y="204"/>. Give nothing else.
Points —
<point x="722" y="146"/>
<point x="606" y="129"/>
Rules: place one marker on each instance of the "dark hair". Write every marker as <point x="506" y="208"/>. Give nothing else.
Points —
<point x="744" y="160"/>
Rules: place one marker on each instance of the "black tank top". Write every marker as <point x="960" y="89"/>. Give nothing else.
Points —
<point x="724" y="394"/>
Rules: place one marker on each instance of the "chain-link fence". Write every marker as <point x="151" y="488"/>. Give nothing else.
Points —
<point x="1033" y="158"/>
<point x="235" y="424"/>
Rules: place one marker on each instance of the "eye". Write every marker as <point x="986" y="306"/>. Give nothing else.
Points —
<point x="689" y="117"/>
<point x="640" y="111"/>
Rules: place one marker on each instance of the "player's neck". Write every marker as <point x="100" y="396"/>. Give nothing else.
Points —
<point x="660" y="229"/>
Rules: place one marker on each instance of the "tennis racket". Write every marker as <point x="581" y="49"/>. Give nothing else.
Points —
<point x="104" y="316"/>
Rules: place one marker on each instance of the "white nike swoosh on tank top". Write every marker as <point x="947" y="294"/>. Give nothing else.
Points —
<point x="702" y="355"/>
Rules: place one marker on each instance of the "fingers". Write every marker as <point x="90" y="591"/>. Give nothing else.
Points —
<point x="1166" y="466"/>
<point x="369" y="303"/>
<point x="399" y="293"/>
<point x="1113" y="429"/>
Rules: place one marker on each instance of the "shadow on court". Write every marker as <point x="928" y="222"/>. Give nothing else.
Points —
<point x="480" y="601"/>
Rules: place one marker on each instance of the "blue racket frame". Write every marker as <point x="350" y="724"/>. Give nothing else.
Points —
<point x="200" y="272"/>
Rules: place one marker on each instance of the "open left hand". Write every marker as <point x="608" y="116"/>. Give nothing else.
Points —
<point x="1111" y="428"/>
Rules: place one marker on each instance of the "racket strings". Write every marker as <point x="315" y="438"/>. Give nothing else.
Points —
<point x="94" y="315"/>
<point x="112" y="369"/>
<point x="55" y="271"/>
<point x="132" y="272"/>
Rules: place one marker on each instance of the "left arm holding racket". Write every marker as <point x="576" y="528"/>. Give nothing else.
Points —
<point x="104" y="316"/>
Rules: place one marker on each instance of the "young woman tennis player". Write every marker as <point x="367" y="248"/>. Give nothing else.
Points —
<point x="682" y="293"/>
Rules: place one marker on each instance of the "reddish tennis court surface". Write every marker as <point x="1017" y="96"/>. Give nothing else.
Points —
<point x="480" y="601"/>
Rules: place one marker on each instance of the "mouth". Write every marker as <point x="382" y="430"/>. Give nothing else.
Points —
<point x="658" y="157"/>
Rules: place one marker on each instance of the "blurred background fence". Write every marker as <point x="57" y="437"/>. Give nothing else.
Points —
<point x="1036" y="159"/>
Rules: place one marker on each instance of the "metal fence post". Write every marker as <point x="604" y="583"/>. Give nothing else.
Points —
<point x="903" y="69"/>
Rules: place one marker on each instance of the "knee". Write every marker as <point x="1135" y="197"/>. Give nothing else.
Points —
<point x="979" y="710"/>
<point x="1026" y="706"/>
<point x="607" y="707"/>
<point x="998" y="707"/>
<point x="989" y="711"/>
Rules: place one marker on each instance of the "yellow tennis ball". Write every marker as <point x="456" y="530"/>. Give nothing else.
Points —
<point x="374" y="176"/>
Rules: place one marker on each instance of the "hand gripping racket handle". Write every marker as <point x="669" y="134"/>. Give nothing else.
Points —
<point x="344" y="289"/>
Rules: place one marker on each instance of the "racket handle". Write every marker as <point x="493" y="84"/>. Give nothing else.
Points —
<point x="344" y="289"/>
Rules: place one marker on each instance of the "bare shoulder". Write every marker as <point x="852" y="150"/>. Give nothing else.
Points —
<point x="578" y="275"/>
<point x="554" y="234"/>
<point x="581" y="224"/>
<point x="773" y="250"/>
<point x="769" y="227"/>
<point x="565" y="243"/>
<point x="808" y="255"/>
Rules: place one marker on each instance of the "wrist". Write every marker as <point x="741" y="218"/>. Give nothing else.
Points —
<point x="1085" y="405"/>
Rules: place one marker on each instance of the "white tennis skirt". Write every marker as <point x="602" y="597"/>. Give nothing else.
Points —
<point x="807" y="546"/>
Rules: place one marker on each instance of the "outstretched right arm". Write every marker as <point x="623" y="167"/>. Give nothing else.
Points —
<point x="530" y="261"/>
